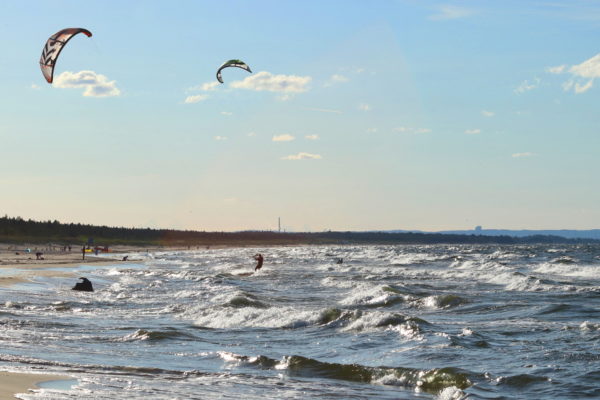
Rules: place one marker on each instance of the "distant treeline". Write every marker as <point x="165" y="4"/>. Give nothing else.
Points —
<point x="18" y="230"/>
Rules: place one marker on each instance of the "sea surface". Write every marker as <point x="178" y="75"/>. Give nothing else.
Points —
<point x="389" y="322"/>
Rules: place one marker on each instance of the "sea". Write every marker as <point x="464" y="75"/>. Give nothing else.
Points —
<point x="322" y="322"/>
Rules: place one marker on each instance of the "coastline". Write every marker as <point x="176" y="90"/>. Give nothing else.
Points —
<point x="19" y="266"/>
<point x="12" y="383"/>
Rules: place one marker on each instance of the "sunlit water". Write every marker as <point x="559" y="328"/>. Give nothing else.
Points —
<point x="390" y="322"/>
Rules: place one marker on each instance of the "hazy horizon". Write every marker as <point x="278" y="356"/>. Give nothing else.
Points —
<point x="358" y="115"/>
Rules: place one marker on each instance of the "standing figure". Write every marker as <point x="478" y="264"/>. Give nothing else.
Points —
<point x="259" y="261"/>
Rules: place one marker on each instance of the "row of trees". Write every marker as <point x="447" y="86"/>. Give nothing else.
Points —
<point x="19" y="230"/>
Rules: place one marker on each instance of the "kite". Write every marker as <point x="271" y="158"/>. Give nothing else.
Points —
<point x="54" y="46"/>
<point x="232" y="63"/>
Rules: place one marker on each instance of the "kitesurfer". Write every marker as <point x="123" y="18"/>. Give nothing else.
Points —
<point x="259" y="261"/>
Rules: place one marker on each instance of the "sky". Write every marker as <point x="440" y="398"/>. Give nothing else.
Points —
<point x="358" y="115"/>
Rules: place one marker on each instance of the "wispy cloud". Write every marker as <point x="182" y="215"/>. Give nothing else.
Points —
<point x="582" y="75"/>
<point x="35" y="87"/>
<point x="487" y="113"/>
<point x="195" y="98"/>
<point x="251" y="134"/>
<point x="266" y="81"/>
<point x="226" y="113"/>
<point x="206" y="87"/>
<point x="473" y="131"/>
<point x="405" y="129"/>
<point x="312" y="137"/>
<point x="526" y="86"/>
<point x="448" y="12"/>
<point x="302" y="156"/>
<point x="283" y="138"/>
<point x="371" y="130"/>
<point x="335" y="78"/>
<point x="220" y="137"/>
<point x="559" y="69"/>
<point x="522" y="155"/>
<point x="93" y="84"/>
<point x="325" y="110"/>
<point x="365" y="107"/>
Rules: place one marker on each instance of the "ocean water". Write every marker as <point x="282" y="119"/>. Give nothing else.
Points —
<point x="390" y="322"/>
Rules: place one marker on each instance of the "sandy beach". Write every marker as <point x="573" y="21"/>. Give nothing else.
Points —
<point x="20" y="263"/>
<point x="12" y="383"/>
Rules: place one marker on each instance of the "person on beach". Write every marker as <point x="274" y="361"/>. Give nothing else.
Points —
<point x="259" y="261"/>
<point x="83" y="252"/>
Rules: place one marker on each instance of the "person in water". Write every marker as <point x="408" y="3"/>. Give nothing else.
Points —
<point x="259" y="261"/>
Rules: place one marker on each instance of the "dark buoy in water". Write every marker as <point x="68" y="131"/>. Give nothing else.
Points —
<point x="85" y="285"/>
<point x="339" y="261"/>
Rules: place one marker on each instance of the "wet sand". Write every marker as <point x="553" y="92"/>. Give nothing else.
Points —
<point x="12" y="383"/>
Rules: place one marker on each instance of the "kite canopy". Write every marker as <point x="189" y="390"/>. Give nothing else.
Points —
<point x="54" y="46"/>
<point x="232" y="63"/>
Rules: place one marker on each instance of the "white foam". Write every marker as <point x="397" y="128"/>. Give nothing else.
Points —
<point x="451" y="393"/>
<point x="568" y="270"/>
<point x="229" y="317"/>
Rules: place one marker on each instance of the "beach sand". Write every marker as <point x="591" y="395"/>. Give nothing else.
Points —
<point x="12" y="383"/>
<point x="18" y="265"/>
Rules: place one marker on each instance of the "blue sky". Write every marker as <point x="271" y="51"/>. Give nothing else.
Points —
<point x="358" y="114"/>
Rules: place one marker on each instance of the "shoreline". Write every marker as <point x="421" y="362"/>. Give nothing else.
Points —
<point x="21" y="266"/>
<point x="13" y="383"/>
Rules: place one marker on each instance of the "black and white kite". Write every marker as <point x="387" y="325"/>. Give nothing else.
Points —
<point x="54" y="46"/>
<point x="232" y="63"/>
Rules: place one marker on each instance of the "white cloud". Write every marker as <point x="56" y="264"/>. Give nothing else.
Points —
<point x="526" y="86"/>
<point x="582" y="75"/>
<point x="312" y="137"/>
<point x="93" y="84"/>
<point x="325" y="110"/>
<point x="521" y="155"/>
<point x="226" y="113"/>
<point x="336" y="78"/>
<point x="206" y="87"/>
<point x="422" y="130"/>
<point x="220" y="137"/>
<point x="35" y="87"/>
<point x="266" y="81"/>
<point x="195" y="98"/>
<point x="487" y="113"/>
<point x="559" y="69"/>
<point x="285" y="97"/>
<point x="283" y="138"/>
<point x="405" y="129"/>
<point x="473" y="131"/>
<point x="579" y="88"/>
<point x="364" y="107"/>
<point x="209" y="86"/>
<point x="371" y="130"/>
<point x="302" y="156"/>
<point x="588" y="69"/>
<point x="447" y="12"/>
